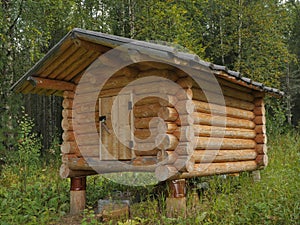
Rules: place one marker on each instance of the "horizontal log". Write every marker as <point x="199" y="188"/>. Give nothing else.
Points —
<point x="219" y="99"/>
<point x="221" y="121"/>
<point x="144" y="146"/>
<point x="86" y="97"/>
<point x="65" y="172"/>
<point x="69" y="147"/>
<point x="51" y="84"/>
<point x="94" y="164"/>
<point x="185" y="107"/>
<point x="223" y="110"/>
<point x="223" y="143"/>
<point x="208" y="169"/>
<point x="146" y="101"/>
<point x="68" y="94"/>
<point x="261" y="139"/>
<point x="147" y="122"/>
<point x="261" y="149"/>
<point x="87" y="139"/>
<point x="165" y="172"/>
<point x="168" y="74"/>
<point x="168" y="100"/>
<point x="86" y="128"/>
<point x="167" y="127"/>
<point x="258" y="102"/>
<point x="184" y="133"/>
<point x="66" y="124"/>
<point x="68" y="136"/>
<point x="262" y="161"/>
<point x="150" y="110"/>
<point x="67" y="113"/>
<point x="148" y="86"/>
<point x="91" y="117"/>
<point x="86" y="107"/>
<point x="85" y="87"/>
<point x="166" y="141"/>
<point x="208" y="86"/>
<point x="235" y="86"/>
<point x="227" y="132"/>
<point x="234" y="93"/>
<point x="260" y="129"/>
<point x="144" y="161"/>
<point x="109" y="92"/>
<point x="127" y="71"/>
<point x="259" y="111"/>
<point x="260" y="120"/>
<point x="118" y="82"/>
<point x="67" y="103"/>
<point x="212" y="156"/>
<point x="184" y="163"/>
<point x="166" y="157"/>
<point x="168" y="113"/>
<point x="149" y="134"/>
<point x="154" y="65"/>
<point x="259" y="94"/>
<point x="89" y="150"/>
<point x="184" y="94"/>
<point x="152" y="152"/>
<point x="185" y="120"/>
<point x="185" y="148"/>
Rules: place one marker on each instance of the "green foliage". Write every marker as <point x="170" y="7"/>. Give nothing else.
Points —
<point x="29" y="146"/>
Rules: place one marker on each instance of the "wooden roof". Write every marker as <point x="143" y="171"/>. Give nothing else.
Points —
<point x="69" y="58"/>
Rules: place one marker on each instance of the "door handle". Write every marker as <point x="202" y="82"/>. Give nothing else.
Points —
<point x="102" y="120"/>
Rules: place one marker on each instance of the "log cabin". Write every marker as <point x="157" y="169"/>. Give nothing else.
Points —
<point x="135" y="106"/>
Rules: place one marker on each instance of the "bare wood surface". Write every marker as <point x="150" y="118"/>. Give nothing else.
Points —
<point x="260" y="120"/>
<point x="68" y="94"/>
<point x="146" y="101"/>
<point x="262" y="161"/>
<point x="261" y="149"/>
<point x="68" y="136"/>
<point x="65" y="172"/>
<point x="221" y="110"/>
<point x="66" y="124"/>
<point x="186" y="120"/>
<point x="166" y="141"/>
<point x="184" y="164"/>
<point x="261" y="139"/>
<point x="224" y="143"/>
<point x="67" y="103"/>
<point x="185" y="107"/>
<point x="147" y="122"/>
<point x="220" y="121"/>
<point x="69" y="147"/>
<point x="227" y="132"/>
<point x="150" y="110"/>
<point x="219" y="168"/>
<point x="260" y="129"/>
<point x="208" y="156"/>
<point x="185" y="133"/>
<point x="164" y="172"/>
<point x="220" y="100"/>
<point x="168" y="113"/>
<point x="185" y="148"/>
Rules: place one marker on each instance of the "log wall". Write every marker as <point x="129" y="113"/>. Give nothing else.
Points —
<point x="180" y="136"/>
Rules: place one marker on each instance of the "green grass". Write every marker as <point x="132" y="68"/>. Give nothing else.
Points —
<point x="234" y="200"/>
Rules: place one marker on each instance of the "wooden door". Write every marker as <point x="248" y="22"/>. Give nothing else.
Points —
<point x="116" y="124"/>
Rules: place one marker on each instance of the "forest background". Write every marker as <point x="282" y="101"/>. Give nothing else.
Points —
<point x="259" y="38"/>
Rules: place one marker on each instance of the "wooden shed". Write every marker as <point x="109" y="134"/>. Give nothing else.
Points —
<point x="138" y="106"/>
